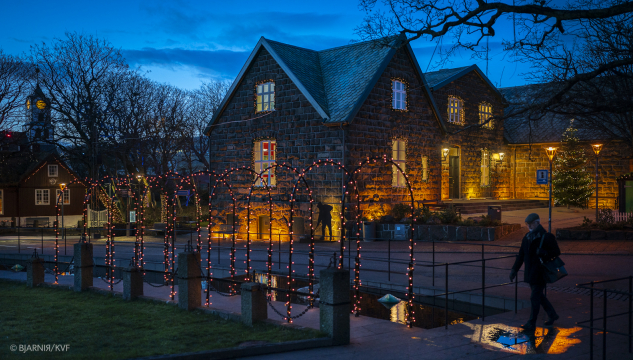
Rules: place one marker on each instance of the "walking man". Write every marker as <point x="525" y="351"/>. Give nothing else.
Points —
<point x="325" y="216"/>
<point x="531" y="253"/>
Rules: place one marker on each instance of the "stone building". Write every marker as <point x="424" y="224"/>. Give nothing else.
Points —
<point x="295" y="106"/>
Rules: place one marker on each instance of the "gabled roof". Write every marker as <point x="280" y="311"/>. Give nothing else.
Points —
<point x="335" y="81"/>
<point x="526" y="128"/>
<point x="441" y="78"/>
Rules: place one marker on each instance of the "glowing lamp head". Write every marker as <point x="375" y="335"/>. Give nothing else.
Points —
<point x="445" y="152"/>
<point x="62" y="185"/>
<point x="501" y="156"/>
<point x="596" y="148"/>
<point x="551" y="151"/>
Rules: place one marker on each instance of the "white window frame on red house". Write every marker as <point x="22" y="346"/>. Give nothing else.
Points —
<point x="399" y="95"/>
<point x="44" y="197"/>
<point x="265" y="96"/>
<point x="263" y="157"/>
<point x="66" y="196"/>
<point x="399" y="156"/>
<point x="53" y="171"/>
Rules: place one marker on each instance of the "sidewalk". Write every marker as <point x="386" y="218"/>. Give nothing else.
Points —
<point x="381" y="339"/>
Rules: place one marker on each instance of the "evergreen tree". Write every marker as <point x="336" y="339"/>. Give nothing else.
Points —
<point x="573" y="184"/>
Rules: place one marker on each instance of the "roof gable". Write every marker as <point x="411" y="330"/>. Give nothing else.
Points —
<point x="441" y="78"/>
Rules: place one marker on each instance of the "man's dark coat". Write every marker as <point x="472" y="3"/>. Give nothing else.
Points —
<point x="527" y="254"/>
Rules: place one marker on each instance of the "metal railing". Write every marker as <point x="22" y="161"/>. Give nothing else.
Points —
<point x="605" y="294"/>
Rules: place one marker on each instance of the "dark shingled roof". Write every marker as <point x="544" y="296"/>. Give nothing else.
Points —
<point x="336" y="81"/>
<point x="435" y="78"/>
<point x="526" y="128"/>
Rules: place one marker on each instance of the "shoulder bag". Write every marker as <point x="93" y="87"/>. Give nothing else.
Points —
<point x="554" y="269"/>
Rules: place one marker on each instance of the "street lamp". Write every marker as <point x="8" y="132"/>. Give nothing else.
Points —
<point x="62" y="186"/>
<point x="551" y="151"/>
<point x="596" y="150"/>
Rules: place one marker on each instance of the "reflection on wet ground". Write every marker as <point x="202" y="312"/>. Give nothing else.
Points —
<point x="543" y="340"/>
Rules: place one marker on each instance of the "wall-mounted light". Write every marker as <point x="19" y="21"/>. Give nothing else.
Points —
<point x="501" y="156"/>
<point x="445" y="153"/>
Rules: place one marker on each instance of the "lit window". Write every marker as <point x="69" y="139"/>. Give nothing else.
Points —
<point x="425" y="168"/>
<point x="66" y="196"/>
<point x="264" y="152"/>
<point x="266" y="96"/>
<point x="52" y="171"/>
<point x="399" y="157"/>
<point x="1" y="202"/>
<point x="485" y="113"/>
<point x="485" y="168"/>
<point x="41" y="197"/>
<point x="455" y="110"/>
<point x="399" y="95"/>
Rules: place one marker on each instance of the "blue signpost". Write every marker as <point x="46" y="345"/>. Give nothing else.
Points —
<point x="542" y="177"/>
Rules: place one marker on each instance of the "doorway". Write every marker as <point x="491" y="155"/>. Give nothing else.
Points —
<point x="453" y="174"/>
<point x="263" y="227"/>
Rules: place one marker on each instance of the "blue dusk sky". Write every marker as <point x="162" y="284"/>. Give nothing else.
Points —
<point x="185" y="43"/>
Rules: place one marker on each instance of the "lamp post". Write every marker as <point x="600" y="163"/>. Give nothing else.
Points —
<point x="551" y="151"/>
<point x="62" y="186"/>
<point x="596" y="150"/>
<point x="496" y="181"/>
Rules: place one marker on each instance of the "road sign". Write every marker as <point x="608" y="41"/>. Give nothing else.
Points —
<point x="541" y="177"/>
<point x="183" y="193"/>
<point x="132" y="216"/>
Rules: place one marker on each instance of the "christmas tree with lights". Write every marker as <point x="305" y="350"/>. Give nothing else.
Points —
<point x="573" y="184"/>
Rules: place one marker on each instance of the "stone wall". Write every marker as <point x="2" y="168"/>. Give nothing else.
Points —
<point x="525" y="160"/>
<point x="301" y="139"/>
<point x="473" y="90"/>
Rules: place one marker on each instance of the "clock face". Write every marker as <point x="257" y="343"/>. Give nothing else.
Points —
<point x="40" y="104"/>
<point x="28" y="104"/>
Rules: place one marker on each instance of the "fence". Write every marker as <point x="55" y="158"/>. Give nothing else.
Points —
<point x="591" y="286"/>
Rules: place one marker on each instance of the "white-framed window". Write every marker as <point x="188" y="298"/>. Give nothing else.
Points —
<point x="264" y="156"/>
<point x="455" y="110"/>
<point x="485" y="167"/>
<point x="485" y="113"/>
<point x="53" y="171"/>
<point x="425" y="168"/>
<point x="66" y="195"/>
<point x="1" y="202"/>
<point x="399" y="156"/>
<point x="266" y="96"/>
<point x="399" y="95"/>
<point x="42" y="197"/>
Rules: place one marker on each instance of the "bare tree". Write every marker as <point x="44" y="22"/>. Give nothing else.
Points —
<point x="15" y="77"/>
<point x="82" y="76"/>
<point x="555" y="40"/>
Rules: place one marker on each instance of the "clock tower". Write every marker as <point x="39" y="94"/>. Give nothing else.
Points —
<point x="39" y="127"/>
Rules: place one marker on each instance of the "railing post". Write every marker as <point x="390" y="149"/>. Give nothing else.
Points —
<point x="604" y="324"/>
<point x="446" y="297"/>
<point x="591" y="322"/>
<point x="483" y="288"/>
<point x="42" y="241"/>
<point x="433" y="274"/>
<point x="516" y="293"/>
<point x="630" y="310"/>
<point x="279" y="252"/>
<point x="389" y="258"/>
<point x="18" y="235"/>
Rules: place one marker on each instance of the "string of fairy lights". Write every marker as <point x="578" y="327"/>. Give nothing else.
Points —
<point x="170" y="184"/>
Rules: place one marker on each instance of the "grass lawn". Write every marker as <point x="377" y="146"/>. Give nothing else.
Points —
<point x="104" y="327"/>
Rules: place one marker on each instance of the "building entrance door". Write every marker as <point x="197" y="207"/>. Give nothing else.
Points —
<point x="263" y="227"/>
<point x="453" y="177"/>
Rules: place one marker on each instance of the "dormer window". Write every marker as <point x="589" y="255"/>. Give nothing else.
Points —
<point x="52" y="171"/>
<point x="485" y="113"/>
<point x="399" y="95"/>
<point x="455" y="110"/>
<point x="265" y="96"/>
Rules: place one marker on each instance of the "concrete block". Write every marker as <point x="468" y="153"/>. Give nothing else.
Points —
<point x="34" y="272"/>
<point x="84" y="264"/>
<point x="189" y="286"/>
<point x="132" y="283"/>
<point x="334" y="305"/>
<point x="254" y="307"/>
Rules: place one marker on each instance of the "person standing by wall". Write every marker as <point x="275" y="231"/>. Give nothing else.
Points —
<point x="531" y="253"/>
